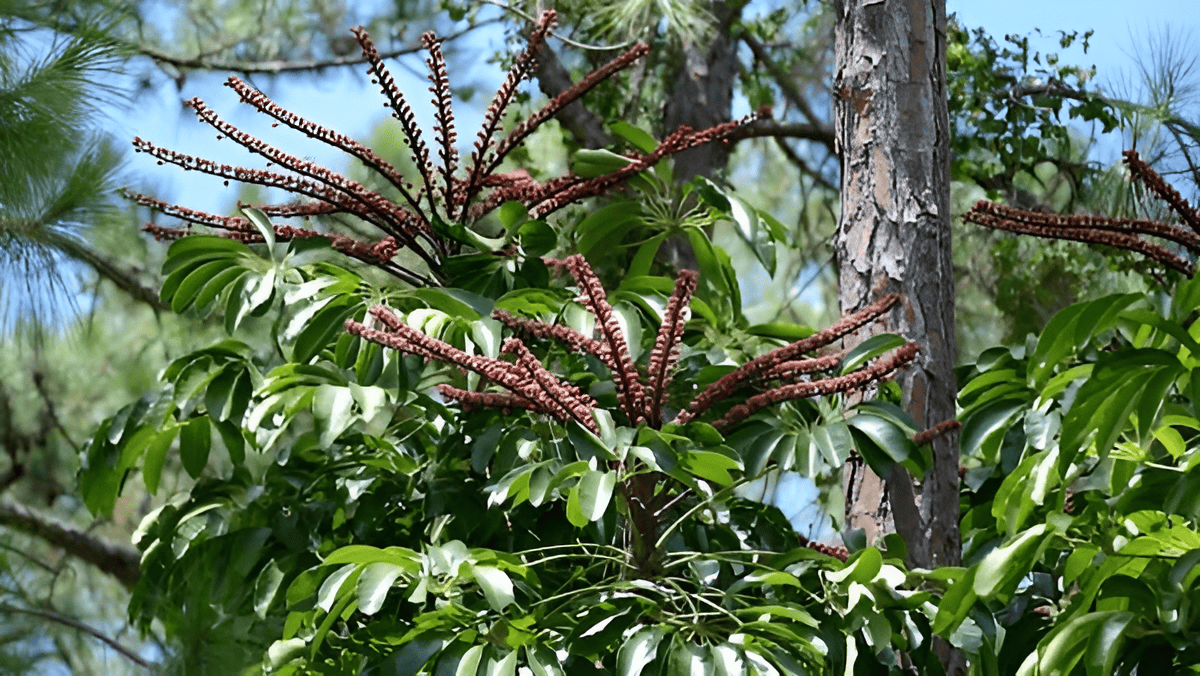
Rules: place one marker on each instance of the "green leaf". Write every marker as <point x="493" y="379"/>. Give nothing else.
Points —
<point x="639" y="650"/>
<point x="636" y="137"/>
<point x="1003" y="567"/>
<point x="195" y="440"/>
<point x="193" y="249"/>
<point x="266" y="588"/>
<point x="366" y="554"/>
<point x="496" y="586"/>
<point x="216" y="286"/>
<point x="191" y="285"/>
<point x="1096" y="635"/>
<point x="263" y="225"/>
<point x="607" y="223"/>
<point x="710" y="465"/>
<point x="323" y="328"/>
<point x="590" y="497"/>
<point x="512" y="214"/>
<point x="984" y="428"/>
<point x="1071" y="329"/>
<point x="537" y="238"/>
<point x="589" y="163"/>
<point x="868" y="350"/>
<point x="862" y="569"/>
<point x="333" y="407"/>
<point x="374" y="584"/>
<point x="886" y="435"/>
<point x="955" y="605"/>
<point x="542" y="662"/>
<point x="156" y="454"/>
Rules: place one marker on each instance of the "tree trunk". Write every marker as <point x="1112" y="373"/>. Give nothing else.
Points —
<point x="893" y="132"/>
<point x="894" y="235"/>
<point x="702" y="95"/>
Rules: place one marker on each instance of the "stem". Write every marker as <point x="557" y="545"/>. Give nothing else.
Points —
<point x="678" y="522"/>
<point x="76" y="624"/>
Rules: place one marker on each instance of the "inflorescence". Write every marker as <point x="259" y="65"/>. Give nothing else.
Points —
<point x="446" y="193"/>
<point x="1118" y="232"/>
<point x="642" y="396"/>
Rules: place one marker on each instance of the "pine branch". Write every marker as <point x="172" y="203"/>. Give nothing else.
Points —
<point x="76" y="624"/>
<point x="119" y="561"/>
<point x="203" y="62"/>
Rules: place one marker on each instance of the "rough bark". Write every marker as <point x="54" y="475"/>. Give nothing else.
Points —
<point x="892" y="123"/>
<point x="122" y="562"/>
<point x="585" y="127"/>
<point x="702" y="94"/>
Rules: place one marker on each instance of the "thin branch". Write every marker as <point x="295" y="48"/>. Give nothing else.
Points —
<point x="801" y="130"/>
<point x="76" y="624"/>
<point x="790" y="91"/>
<point x="123" y="563"/>
<point x="284" y="65"/>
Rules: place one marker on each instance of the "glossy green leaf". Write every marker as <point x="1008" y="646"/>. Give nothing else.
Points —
<point x="711" y="466"/>
<point x="955" y="604"/>
<point x="374" y="584"/>
<point x="590" y="497"/>
<point x="1071" y="329"/>
<point x="325" y="326"/>
<point x="195" y="249"/>
<point x="639" y="650"/>
<point x="496" y="586"/>
<point x="191" y="285"/>
<point x="156" y="454"/>
<point x="607" y="223"/>
<point x="263" y="224"/>
<point x="195" y="441"/>
<point x="636" y="137"/>
<point x="1001" y="570"/>
<point x="592" y="163"/>
<point x="862" y="569"/>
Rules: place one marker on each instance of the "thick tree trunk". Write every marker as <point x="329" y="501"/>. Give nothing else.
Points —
<point x="894" y="235"/>
<point x="892" y="125"/>
<point x="702" y="94"/>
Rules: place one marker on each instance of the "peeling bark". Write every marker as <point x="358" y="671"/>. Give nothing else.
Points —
<point x="893" y="132"/>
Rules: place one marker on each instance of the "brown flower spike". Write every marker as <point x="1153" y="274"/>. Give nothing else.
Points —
<point x="1122" y="233"/>
<point x="449" y="196"/>
<point x="642" y="397"/>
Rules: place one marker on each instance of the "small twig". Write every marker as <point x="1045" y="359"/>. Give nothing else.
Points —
<point x="76" y="624"/>
<point x="285" y="66"/>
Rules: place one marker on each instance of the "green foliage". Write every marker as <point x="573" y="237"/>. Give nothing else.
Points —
<point x="1077" y="517"/>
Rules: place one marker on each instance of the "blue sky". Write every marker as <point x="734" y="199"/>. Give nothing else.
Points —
<point x="346" y="102"/>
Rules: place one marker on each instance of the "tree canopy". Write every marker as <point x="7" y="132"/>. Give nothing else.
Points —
<point x="455" y="410"/>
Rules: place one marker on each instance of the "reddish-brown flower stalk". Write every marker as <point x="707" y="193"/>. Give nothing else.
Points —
<point x="565" y="334"/>
<point x="625" y="375"/>
<point x="926" y="436"/>
<point x="851" y="381"/>
<point x="443" y="115"/>
<point x="1116" y="232"/>
<point x="533" y="387"/>
<point x="552" y="396"/>
<point x="755" y="369"/>
<point x="1165" y="191"/>
<point x="1122" y="233"/>
<point x="442" y="196"/>
<point x="666" y="346"/>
